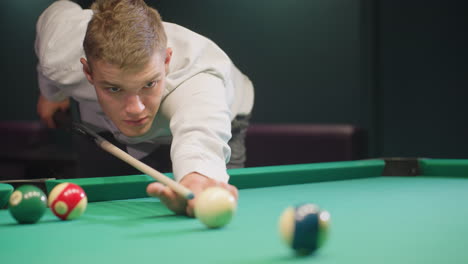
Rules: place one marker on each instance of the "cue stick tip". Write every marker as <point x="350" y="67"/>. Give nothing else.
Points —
<point x="190" y="196"/>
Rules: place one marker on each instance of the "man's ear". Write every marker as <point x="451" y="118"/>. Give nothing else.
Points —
<point x="168" y="59"/>
<point x="87" y="70"/>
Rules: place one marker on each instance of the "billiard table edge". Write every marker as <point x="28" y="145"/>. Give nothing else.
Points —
<point x="134" y="186"/>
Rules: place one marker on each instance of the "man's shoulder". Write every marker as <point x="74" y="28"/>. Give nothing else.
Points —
<point x="189" y="44"/>
<point x="180" y="33"/>
<point x="60" y="11"/>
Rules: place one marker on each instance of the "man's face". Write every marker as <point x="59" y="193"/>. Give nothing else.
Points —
<point x="130" y="99"/>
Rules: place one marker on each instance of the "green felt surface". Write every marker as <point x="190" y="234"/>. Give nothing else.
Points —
<point x="374" y="220"/>
<point x="5" y="191"/>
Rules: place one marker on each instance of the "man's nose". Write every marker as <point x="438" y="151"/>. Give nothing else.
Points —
<point x="134" y="105"/>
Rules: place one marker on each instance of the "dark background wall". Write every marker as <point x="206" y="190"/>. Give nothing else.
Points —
<point x="17" y="68"/>
<point x="396" y="68"/>
<point x="303" y="56"/>
<point x="423" y="78"/>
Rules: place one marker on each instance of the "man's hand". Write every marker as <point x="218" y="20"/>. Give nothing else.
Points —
<point x="195" y="182"/>
<point x="46" y="110"/>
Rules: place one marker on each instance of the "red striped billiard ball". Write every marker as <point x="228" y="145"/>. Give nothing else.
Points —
<point x="68" y="201"/>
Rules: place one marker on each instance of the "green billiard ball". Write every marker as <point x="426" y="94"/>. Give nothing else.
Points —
<point x="27" y="204"/>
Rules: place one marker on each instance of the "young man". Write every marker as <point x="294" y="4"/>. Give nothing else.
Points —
<point x="149" y="83"/>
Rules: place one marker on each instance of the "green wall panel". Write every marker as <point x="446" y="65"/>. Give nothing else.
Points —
<point x="303" y="56"/>
<point x="18" y="75"/>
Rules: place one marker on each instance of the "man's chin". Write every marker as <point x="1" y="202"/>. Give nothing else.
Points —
<point x="134" y="131"/>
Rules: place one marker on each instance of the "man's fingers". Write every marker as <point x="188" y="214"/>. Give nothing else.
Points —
<point x="49" y="122"/>
<point x="65" y="106"/>
<point x="190" y="208"/>
<point x="230" y="188"/>
<point x="162" y="192"/>
<point x="155" y="189"/>
<point x="46" y="109"/>
<point x="197" y="183"/>
<point x="168" y="197"/>
<point x="47" y="119"/>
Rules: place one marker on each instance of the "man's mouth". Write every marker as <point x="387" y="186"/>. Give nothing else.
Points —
<point x="137" y="122"/>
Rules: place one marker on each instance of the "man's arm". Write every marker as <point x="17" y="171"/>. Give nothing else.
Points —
<point x="200" y="122"/>
<point x="60" y="30"/>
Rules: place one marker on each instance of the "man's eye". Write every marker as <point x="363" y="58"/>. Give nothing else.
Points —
<point x="150" y="84"/>
<point x="113" y="89"/>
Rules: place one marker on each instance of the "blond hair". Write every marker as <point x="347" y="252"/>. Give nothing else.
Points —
<point x="125" y="33"/>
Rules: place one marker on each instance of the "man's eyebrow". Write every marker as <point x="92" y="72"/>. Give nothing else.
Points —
<point x="106" y="83"/>
<point x="154" y="77"/>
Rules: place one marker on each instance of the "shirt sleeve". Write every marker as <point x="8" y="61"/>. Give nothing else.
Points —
<point x="48" y="88"/>
<point x="201" y="127"/>
<point x="60" y="31"/>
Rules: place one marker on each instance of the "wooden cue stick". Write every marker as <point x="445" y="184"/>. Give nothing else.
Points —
<point x="124" y="156"/>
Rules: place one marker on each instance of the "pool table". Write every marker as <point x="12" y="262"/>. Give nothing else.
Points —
<point x="383" y="211"/>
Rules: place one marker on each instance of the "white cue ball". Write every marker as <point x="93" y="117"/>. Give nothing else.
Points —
<point x="215" y="207"/>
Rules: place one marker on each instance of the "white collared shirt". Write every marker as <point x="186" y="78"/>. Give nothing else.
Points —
<point x="204" y="91"/>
